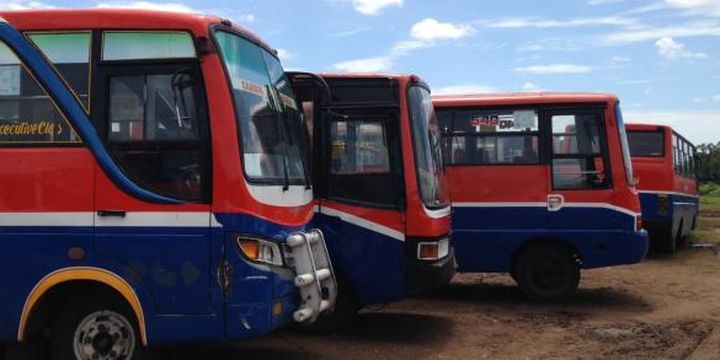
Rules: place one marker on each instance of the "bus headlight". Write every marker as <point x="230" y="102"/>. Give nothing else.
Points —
<point x="259" y="250"/>
<point x="434" y="250"/>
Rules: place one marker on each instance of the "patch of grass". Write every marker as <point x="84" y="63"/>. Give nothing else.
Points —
<point x="710" y="198"/>
<point x="704" y="237"/>
<point x="708" y="223"/>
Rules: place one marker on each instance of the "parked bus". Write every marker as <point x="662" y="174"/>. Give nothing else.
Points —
<point x="666" y="166"/>
<point x="154" y="188"/>
<point x="541" y="187"/>
<point x="381" y="192"/>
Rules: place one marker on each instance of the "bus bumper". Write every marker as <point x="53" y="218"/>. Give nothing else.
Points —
<point x="625" y="249"/>
<point x="263" y="302"/>
<point x="421" y="276"/>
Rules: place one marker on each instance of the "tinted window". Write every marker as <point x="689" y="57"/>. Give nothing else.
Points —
<point x="358" y="148"/>
<point x="153" y="107"/>
<point x="27" y="114"/>
<point x="271" y="128"/>
<point x="362" y="158"/>
<point x="578" y="161"/>
<point x="70" y="54"/>
<point x="646" y="143"/>
<point x="491" y="137"/>
<point x="123" y="45"/>
<point x="428" y="149"/>
<point x="158" y="133"/>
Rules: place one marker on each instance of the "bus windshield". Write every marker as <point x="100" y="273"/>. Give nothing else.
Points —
<point x="270" y="125"/>
<point x="426" y="142"/>
<point x="625" y="147"/>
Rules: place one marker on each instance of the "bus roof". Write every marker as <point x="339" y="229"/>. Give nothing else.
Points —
<point x="413" y="78"/>
<point x="647" y="127"/>
<point x="521" y="99"/>
<point x="117" y="19"/>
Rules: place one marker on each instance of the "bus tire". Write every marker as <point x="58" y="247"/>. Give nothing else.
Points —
<point x="26" y="350"/>
<point x="96" y="329"/>
<point x="669" y="243"/>
<point x="344" y="313"/>
<point x="548" y="272"/>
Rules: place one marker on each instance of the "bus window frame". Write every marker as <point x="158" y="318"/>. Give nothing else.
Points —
<point x="448" y="136"/>
<point x="658" y="131"/>
<point x="102" y="71"/>
<point x="389" y="118"/>
<point x="51" y="97"/>
<point x="545" y="116"/>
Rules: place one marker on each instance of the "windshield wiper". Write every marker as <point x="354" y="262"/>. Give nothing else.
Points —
<point x="279" y="117"/>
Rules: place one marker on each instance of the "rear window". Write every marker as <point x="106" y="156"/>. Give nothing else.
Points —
<point x="646" y="143"/>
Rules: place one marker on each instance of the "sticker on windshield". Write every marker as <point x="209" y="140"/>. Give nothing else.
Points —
<point x="10" y="80"/>
<point x="288" y="101"/>
<point x="253" y="88"/>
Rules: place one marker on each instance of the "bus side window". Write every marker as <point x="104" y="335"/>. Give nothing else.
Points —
<point x="155" y="121"/>
<point x="578" y="152"/>
<point x="361" y="153"/>
<point x="69" y="53"/>
<point x="28" y="116"/>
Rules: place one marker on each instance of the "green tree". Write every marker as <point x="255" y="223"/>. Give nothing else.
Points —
<point x="709" y="162"/>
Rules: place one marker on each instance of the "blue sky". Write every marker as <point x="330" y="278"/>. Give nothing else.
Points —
<point x="662" y="57"/>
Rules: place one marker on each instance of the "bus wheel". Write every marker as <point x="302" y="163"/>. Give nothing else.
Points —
<point x="96" y="330"/>
<point x="670" y="241"/>
<point x="548" y="273"/>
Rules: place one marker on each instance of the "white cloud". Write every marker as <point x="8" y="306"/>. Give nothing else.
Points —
<point x="617" y="60"/>
<point x="147" y="5"/>
<point x="698" y="126"/>
<point x="246" y="17"/>
<point x="464" y="89"/>
<point x="374" y="7"/>
<point x="716" y="98"/>
<point x="670" y="49"/>
<point x="603" y="2"/>
<point x="554" y="69"/>
<point x="285" y="55"/>
<point x="431" y="29"/>
<point x="524" y="22"/>
<point x="703" y="7"/>
<point x="425" y="34"/>
<point x="25" y="5"/>
<point x="653" y="33"/>
<point x="531" y="87"/>
<point x="699" y="100"/>
<point x="367" y="65"/>
<point x="404" y="47"/>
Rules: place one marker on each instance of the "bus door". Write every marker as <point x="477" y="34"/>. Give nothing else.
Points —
<point x="359" y="188"/>
<point x="149" y="108"/>
<point x="580" y="182"/>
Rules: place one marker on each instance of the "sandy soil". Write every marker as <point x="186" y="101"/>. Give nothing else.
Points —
<point x="660" y="309"/>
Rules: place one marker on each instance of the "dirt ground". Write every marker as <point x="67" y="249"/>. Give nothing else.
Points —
<point x="663" y="308"/>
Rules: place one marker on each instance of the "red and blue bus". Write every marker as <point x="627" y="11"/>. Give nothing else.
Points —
<point x="541" y="187"/>
<point x="154" y="185"/>
<point x="382" y="198"/>
<point x="666" y="166"/>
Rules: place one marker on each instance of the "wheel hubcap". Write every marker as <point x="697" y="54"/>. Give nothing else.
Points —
<point x="548" y="274"/>
<point x="104" y="335"/>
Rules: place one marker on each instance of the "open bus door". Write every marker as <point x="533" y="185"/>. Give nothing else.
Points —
<point x="358" y="183"/>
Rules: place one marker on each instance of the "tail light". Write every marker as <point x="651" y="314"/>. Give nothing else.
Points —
<point x="435" y="250"/>
<point x="662" y="204"/>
